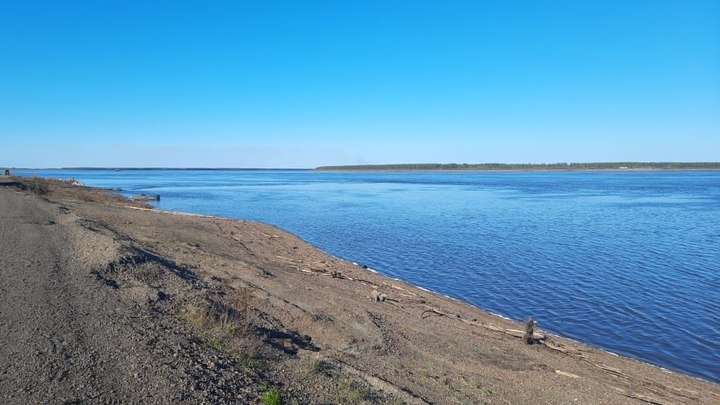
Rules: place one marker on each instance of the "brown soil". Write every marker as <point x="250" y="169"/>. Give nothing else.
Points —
<point x="105" y="302"/>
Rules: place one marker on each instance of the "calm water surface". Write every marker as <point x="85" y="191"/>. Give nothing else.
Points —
<point x="626" y="261"/>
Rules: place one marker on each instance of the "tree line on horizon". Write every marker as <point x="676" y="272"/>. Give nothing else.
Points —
<point x="533" y="166"/>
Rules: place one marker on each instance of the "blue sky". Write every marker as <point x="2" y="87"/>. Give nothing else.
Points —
<point x="304" y="83"/>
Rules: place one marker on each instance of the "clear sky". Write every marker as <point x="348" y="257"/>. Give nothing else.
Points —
<point x="308" y="83"/>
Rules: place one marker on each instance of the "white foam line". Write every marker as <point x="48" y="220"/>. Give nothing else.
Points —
<point x="499" y="316"/>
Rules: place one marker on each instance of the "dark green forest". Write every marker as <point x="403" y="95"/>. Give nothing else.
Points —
<point x="534" y="166"/>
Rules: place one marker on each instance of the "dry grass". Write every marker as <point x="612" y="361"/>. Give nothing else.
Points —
<point x="320" y="366"/>
<point x="227" y="327"/>
<point x="218" y="327"/>
<point x="71" y="190"/>
<point x="351" y="391"/>
<point x="213" y="319"/>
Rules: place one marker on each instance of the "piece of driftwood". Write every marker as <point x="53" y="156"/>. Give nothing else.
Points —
<point x="430" y="311"/>
<point x="646" y="399"/>
<point x="528" y="336"/>
<point x="145" y="197"/>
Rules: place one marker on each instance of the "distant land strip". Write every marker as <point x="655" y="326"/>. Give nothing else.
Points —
<point x="257" y="169"/>
<point x="529" y="166"/>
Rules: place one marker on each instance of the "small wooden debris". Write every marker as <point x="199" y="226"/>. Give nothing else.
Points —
<point x="567" y="374"/>
<point x="145" y="197"/>
<point x="529" y="337"/>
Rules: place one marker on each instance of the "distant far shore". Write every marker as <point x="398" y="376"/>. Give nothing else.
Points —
<point x="605" y="166"/>
<point x="449" y="167"/>
<point x="159" y="168"/>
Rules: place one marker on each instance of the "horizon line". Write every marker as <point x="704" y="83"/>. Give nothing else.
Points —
<point x="363" y="165"/>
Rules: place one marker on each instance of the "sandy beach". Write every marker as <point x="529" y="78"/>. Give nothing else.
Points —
<point x="105" y="300"/>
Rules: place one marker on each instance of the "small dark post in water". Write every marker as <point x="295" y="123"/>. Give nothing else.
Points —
<point x="529" y="331"/>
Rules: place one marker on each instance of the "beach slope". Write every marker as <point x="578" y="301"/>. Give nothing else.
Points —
<point x="103" y="301"/>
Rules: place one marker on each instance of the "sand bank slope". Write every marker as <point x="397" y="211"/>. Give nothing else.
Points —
<point x="189" y="308"/>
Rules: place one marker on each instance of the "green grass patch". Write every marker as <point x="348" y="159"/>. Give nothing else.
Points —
<point x="272" y="397"/>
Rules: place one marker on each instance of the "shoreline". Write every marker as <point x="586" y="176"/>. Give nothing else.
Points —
<point x="556" y="166"/>
<point x="417" y="341"/>
<point x="373" y="169"/>
<point x="430" y="291"/>
<point x="637" y="170"/>
<point x="438" y="293"/>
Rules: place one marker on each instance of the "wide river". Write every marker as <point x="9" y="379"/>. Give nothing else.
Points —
<point x="627" y="261"/>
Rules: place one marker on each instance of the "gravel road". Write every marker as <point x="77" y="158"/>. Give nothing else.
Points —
<point x="66" y="337"/>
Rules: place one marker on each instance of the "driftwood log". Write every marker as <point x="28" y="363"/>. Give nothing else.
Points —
<point x="529" y="336"/>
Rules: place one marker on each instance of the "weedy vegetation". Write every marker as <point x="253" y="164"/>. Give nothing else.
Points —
<point x="353" y="392"/>
<point x="72" y="190"/>
<point x="272" y="397"/>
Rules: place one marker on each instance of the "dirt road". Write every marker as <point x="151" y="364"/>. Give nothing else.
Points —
<point x="66" y="339"/>
<point x="105" y="303"/>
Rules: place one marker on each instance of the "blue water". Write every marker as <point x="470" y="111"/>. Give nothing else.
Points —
<point x="627" y="261"/>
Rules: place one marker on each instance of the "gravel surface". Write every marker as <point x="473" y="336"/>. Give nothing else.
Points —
<point x="105" y="303"/>
<point x="68" y="337"/>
